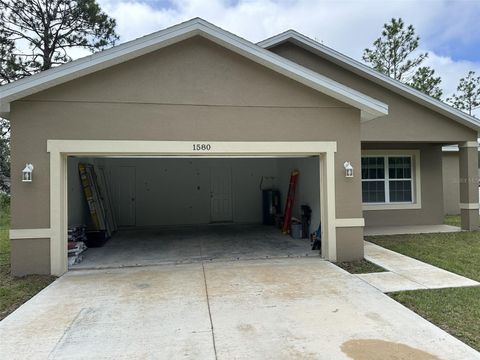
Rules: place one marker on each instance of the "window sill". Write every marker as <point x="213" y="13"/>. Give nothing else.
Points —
<point x="368" y="207"/>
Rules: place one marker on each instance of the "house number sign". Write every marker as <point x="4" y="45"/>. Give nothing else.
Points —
<point x="202" y="147"/>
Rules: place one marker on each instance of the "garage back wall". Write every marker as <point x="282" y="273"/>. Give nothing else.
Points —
<point x="177" y="191"/>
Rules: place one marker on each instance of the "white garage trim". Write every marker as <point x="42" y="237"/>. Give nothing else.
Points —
<point x="182" y="148"/>
<point x="16" y="234"/>
<point x="60" y="149"/>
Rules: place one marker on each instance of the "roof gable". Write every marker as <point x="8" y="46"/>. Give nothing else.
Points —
<point x="192" y="72"/>
<point x="372" y="75"/>
<point x="370" y="108"/>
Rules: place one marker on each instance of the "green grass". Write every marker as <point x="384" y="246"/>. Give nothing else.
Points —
<point x="453" y="220"/>
<point x="360" y="267"/>
<point x="14" y="291"/>
<point x="456" y="252"/>
<point x="456" y="311"/>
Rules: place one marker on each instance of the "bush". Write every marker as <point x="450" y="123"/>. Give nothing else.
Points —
<point x="4" y="201"/>
<point x="4" y="210"/>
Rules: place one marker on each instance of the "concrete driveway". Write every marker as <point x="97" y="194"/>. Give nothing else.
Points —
<point x="259" y="309"/>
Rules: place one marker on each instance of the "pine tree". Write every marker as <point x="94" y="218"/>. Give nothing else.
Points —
<point x="4" y="156"/>
<point x="425" y="81"/>
<point x="467" y="97"/>
<point x="36" y="35"/>
<point x="392" y="53"/>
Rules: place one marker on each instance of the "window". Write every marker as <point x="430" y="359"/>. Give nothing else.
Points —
<point x="387" y="179"/>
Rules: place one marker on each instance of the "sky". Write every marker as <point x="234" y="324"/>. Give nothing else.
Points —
<point x="448" y="30"/>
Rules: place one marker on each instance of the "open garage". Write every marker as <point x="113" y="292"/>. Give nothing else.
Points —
<point x="177" y="209"/>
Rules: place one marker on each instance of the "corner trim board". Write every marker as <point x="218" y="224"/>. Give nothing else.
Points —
<point x="16" y="234"/>
<point x="469" y="206"/>
<point x="350" y="222"/>
<point x="468" y="144"/>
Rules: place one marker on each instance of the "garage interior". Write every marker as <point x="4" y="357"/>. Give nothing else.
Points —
<point x="159" y="210"/>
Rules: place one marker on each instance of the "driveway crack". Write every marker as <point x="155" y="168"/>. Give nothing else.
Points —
<point x="209" y="311"/>
<point x="77" y="317"/>
<point x="208" y="301"/>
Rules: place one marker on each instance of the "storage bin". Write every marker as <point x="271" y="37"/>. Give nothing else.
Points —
<point x="296" y="230"/>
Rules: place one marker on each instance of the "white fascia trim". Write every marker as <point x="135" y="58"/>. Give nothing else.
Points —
<point x="350" y="222"/>
<point x="370" y="108"/>
<point x="469" y="206"/>
<point x="377" y="77"/>
<point x="16" y="234"/>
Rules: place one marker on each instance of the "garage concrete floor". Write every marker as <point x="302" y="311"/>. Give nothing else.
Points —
<point x="254" y="309"/>
<point x="186" y="244"/>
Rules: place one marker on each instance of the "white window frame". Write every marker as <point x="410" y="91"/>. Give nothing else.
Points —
<point x="415" y="179"/>
<point x="386" y="179"/>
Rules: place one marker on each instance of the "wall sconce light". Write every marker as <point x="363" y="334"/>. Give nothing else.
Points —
<point x="348" y="169"/>
<point x="27" y="173"/>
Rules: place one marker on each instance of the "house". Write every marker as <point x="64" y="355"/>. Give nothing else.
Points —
<point x="451" y="180"/>
<point x="190" y="123"/>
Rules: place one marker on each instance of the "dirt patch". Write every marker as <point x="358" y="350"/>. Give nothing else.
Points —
<point x="373" y="349"/>
<point x="14" y="291"/>
<point x="360" y="267"/>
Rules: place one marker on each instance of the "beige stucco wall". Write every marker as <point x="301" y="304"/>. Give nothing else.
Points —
<point x="406" y="120"/>
<point x="346" y="248"/>
<point x="193" y="90"/>
<point x="451" y="183"/>
<point x="30" y="256"/>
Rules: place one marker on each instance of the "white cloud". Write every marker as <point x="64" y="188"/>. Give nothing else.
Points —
<point x="451" y="71"/>
<point x="348" y="25"/>
<point x="136" y="19"/>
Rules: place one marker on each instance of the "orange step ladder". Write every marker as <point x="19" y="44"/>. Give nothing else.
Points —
<point x="287" y="219"/>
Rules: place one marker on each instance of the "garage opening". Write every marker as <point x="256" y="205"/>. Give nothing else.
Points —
<point x="149" y="210"/>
